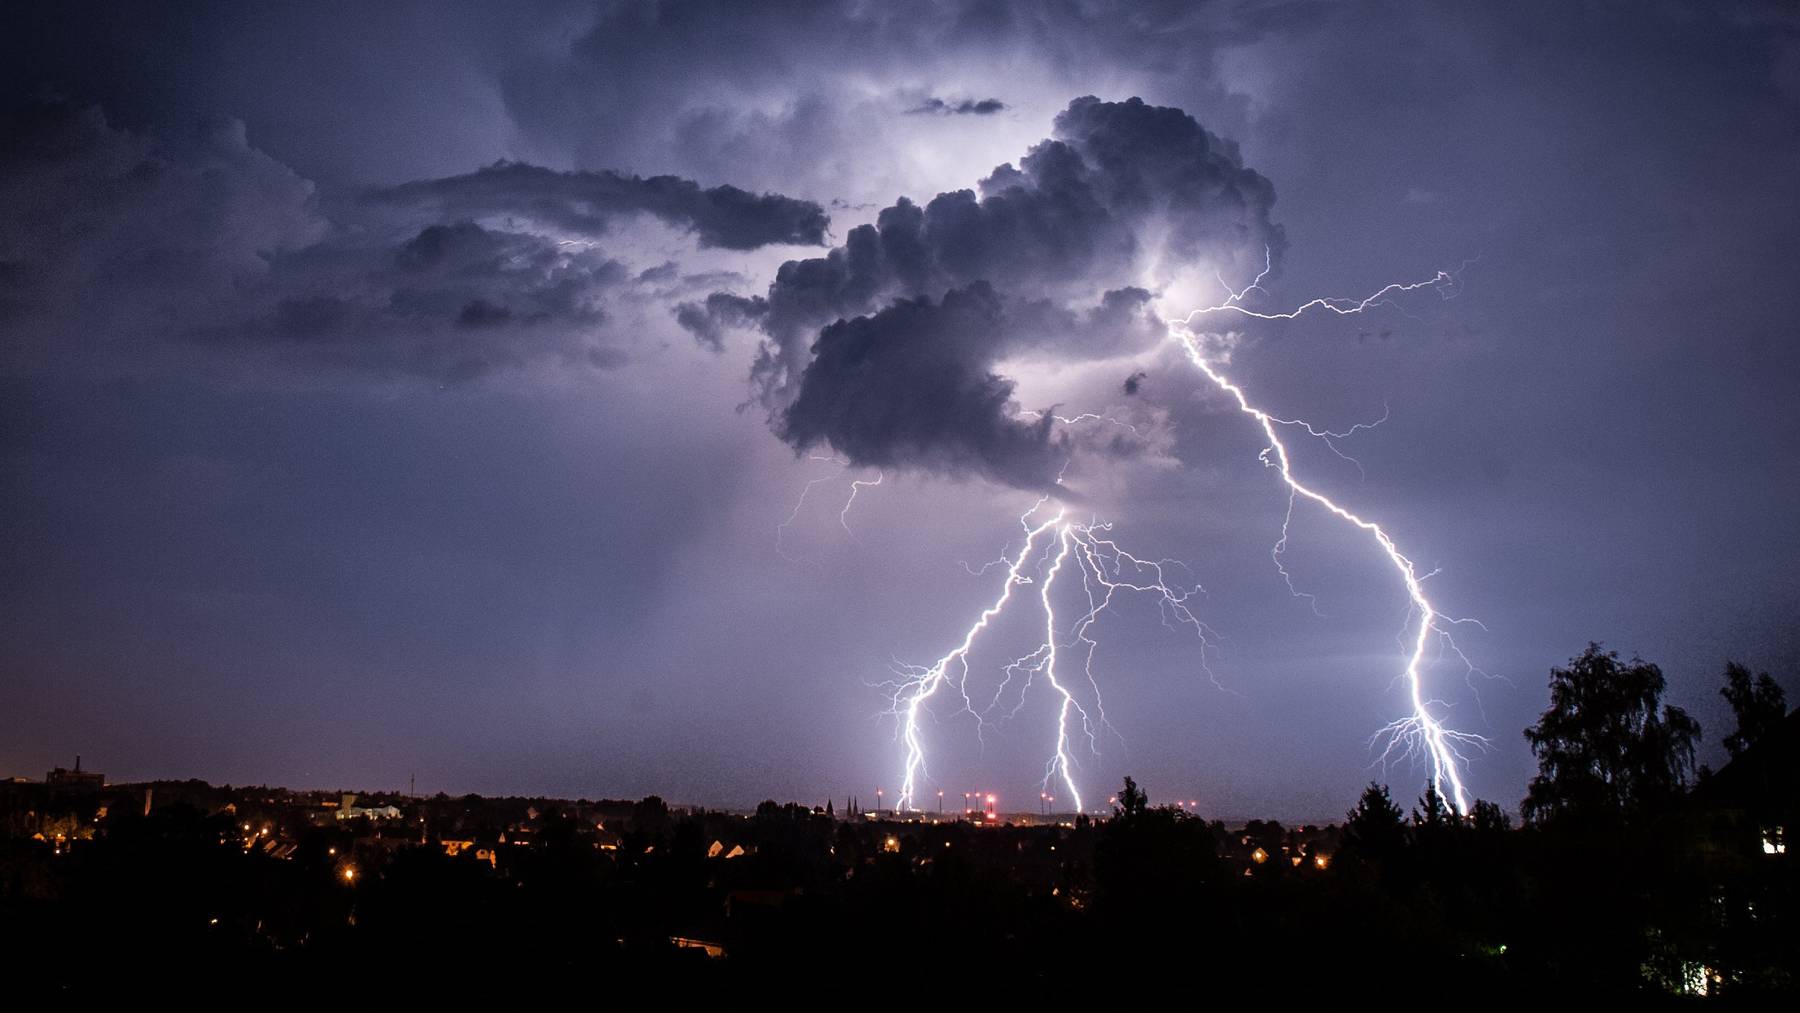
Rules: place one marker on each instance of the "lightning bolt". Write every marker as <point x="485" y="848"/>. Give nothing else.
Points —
<point x="781" y="529"/>
<point x="1421" y="731"/>
<point x="1444" y="282"/>
<point x="1072" y="420"/>
<point x="1058" y="544"/>
<point x="1060" y="760"/>
<point x="856" y="486"/>
<point x="918" y="685"/>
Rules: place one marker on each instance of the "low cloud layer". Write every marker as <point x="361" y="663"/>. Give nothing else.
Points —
<point x="967" y="107"/>
<point x="205" y="241"/>
<point x="585" y="203"/>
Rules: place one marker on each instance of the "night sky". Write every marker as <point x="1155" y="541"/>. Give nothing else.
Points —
<point x="423" y="388"/>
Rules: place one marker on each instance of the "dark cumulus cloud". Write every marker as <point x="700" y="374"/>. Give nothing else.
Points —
<point x="204" y="239"/>
<point x="907" y="387"/>
<point x="586" y="202"/>
<point x="83" y="201"/>
<point x="866" y="351"/>
<point x="967" y="107"/>
<point x="709" y="320"/>
<point x="452" y="302"/>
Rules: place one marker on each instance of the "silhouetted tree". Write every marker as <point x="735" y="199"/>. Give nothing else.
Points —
<point x="1132" y="801"/>
<point x="1433" y="812"/>
<point x="1488" y="817"/>
<point x="1607" y="748"/>
<point x="1758" y="704"/>
<point x="1376" y="829"/>
<point x="650" y="816"/>
<point x="1149" y="858"/>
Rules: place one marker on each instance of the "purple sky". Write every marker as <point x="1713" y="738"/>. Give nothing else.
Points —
<point x="335" y="451"/>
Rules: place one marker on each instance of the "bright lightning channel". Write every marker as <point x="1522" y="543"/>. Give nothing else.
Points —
<point x="856" y="486"/>
<point x="1106" y="570"/>
<point x="1103" y="565"/>
<point x="1442" y="746"/>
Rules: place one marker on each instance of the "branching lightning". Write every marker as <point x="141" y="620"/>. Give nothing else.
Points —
<point x="1072" y="420"/>
<point x="1057" y="544"/>
<point x="1420" y="732"/>
<point x="856" y="486"/>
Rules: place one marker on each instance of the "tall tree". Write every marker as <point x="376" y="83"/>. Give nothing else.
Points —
<point x="1488" y="817"/>
<point x="1152" y="858"/>
<point x="1433" y="811"/>
<point x="1607" y="747"/>
<point x="1758" y="704"/>
<point x="1376" y="829"/>
<point x="1132" y="801"/>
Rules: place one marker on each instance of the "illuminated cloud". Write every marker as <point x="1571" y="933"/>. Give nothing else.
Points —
<point x="885" y="349"/>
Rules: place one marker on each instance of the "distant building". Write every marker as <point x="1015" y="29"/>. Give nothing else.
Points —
<point x="77" y="778"/>
<point x="1752" y="805"/>
<point x="719" y="849"/>
<point x="349" y="810"/>
<point x="454" y="848"/>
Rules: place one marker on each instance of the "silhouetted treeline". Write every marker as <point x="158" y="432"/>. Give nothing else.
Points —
<point x="1631" y="874"/>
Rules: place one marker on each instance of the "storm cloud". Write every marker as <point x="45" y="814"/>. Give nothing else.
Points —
<point x="328" y="459"/>
<point x="88" y="208"/>
<point x="585" y="203"/>
<point x="451" y="302"/>
<point x="1121" y="191"/>
<point x="966" y="107"/>
<point x="203" y="239"/>
<point x="708" y="321"/>
<point x="908" y="387"/>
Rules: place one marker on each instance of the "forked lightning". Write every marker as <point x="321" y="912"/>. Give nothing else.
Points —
<point x="1106" y="569"/>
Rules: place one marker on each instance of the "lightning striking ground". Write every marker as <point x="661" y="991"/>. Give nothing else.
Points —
<point x="1055" y="544"/>
<point x="1421" y="731"/>
<point x="1103" y="567"/>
